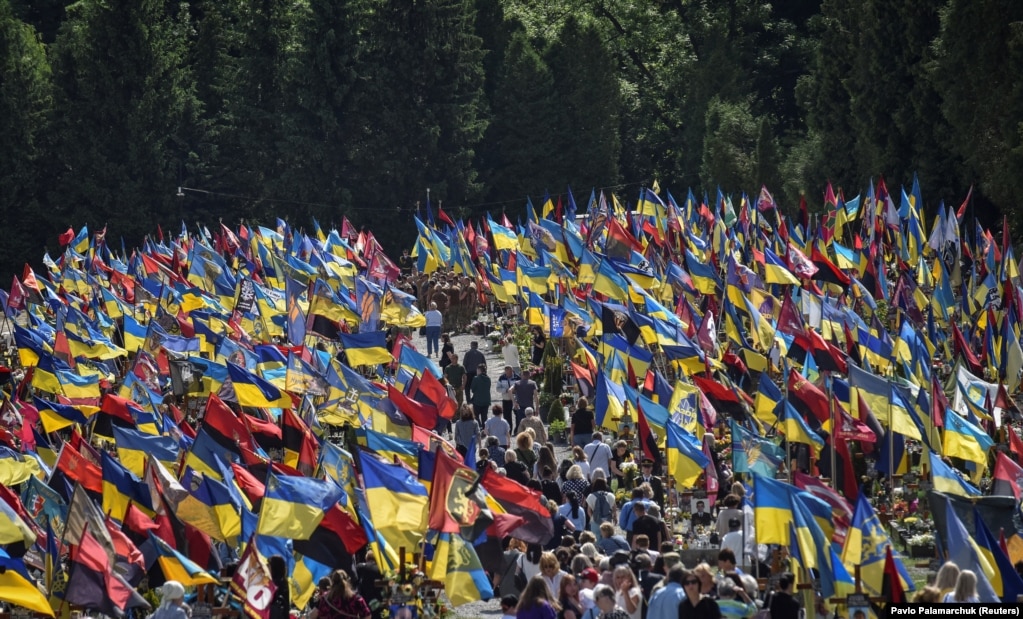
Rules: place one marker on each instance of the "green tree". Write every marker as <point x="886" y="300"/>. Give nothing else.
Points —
<point x="45" y="16"/>
<point x="588" y="107"/>
<point x="979" y="52"/>
<point x="519" y="143"/>
<point x="26" y="103"/>
<point x="892" y="43"/>
<point x="256" y="117"/>
<point x="324" y="82"/>
<point x="730" y="147"/>
<point x="420" y="111"/>
<point x="824" y="153"/>
<point x="125" y="107"/>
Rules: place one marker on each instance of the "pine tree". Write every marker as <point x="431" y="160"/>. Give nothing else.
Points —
<point x="422" y="114"/>
<point x="589" y="107"/>
<point x="125" y="106"/>
<point x="26" y="103"/>
<point x="518" y="146"/>
<point x="324" y="89"/>
<point x="980" y="53"/>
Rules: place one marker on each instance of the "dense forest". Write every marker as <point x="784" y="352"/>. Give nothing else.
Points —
<point x="319" y="108"/>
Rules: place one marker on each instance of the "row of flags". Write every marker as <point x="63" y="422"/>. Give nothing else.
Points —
<point x="678" y="310"/>
<point x="681" y="312"/>
<point x="262" y="329"/>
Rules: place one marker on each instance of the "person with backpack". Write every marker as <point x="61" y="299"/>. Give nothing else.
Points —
<point x="601" y="502"/>
<point x="574" y="510"/>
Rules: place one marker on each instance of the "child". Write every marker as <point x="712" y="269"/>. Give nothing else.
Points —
<point x="508" y="604"/>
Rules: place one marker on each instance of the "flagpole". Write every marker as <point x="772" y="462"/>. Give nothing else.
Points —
<point x="891" y="448"/>
<point x="831" y="416"/>
<point x="785" y="398"/>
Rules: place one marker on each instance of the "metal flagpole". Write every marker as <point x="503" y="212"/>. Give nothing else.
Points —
<point x="831" y="416"/>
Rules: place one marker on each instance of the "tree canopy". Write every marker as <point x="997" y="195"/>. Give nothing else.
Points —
<point x="322" y="109"/>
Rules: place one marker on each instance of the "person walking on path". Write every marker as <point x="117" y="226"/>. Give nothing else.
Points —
<point x="479" y="389"/>
<point x="446" y="349"/>
<point x="510" y="352"/>
<point x="532" y="420"/>
<point x="581" y="430"/>
<point x="457" y="378"/>
<point x="498" y="427"/>
<point x="526" y="395"/>
<point x="434" y="321"/>
<point x="473" y="357"/>
<point x="505" y="383"/>
<point x="599" y="456"/>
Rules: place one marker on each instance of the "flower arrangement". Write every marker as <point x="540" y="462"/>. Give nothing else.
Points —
<point x="629" y="473"/>
<point x="410" y="588"/>
<point x="921" y="539"/>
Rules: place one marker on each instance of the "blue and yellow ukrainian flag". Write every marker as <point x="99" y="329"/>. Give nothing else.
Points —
<point x="396" y="501"/>
<point x="54" y="376"/>
<point x="775" y="271"/>
<point x="1004" y="578"/>
<point x="767" y="398"/>
<point x="294" y="506"/>
<point x="455" y="562"/>
<point x="368" y="348"/>
<point x="609" y="282"/>
<point x="685" y="458"/>
<point x="963" y="550"/>
<point x="208" y="506"/>
<point x="609" y="401"/>
<point x="121" y="487"/>
<point x="792" y="424"/>
<point x="56" y="416"/>
<point x="772" y="510"/>
<point x="389" y="447"/>
<point x="964" y="440"/>
<point x="134" y="446"/>
<point x="305" y="578"/>
<point x="704" y="278"/>
<point x="945" y="479"/>
<point x="504" y="239"/>
<point x="176" y="566"/>
<point x="18" y="588"/>
<point x="253" y="390"/>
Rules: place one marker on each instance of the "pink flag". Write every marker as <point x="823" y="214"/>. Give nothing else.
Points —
<point x="710" y="471"/>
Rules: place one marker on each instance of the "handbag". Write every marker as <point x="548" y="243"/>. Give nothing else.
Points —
<point x="520" y="575"/>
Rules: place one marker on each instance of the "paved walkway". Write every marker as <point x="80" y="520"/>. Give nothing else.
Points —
<point x="495" y="367"/>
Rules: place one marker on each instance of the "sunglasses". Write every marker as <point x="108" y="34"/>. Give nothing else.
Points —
<point x="691" y="582"/>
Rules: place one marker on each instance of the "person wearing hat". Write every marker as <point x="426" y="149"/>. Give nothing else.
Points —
<point x="588" y="579"/>
<point x="172" y="602"/>
<point x="646" y="475"/>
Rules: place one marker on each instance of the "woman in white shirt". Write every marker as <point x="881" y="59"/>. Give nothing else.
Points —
<point x="552" y="573"/>
<point x="529" y="561"/>
<point x="966" y="590"/>
<point x="628" y="595"/>
<point x="510" y="352"/>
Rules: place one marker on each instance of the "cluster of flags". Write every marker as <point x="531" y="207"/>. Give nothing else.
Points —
<point x="679" y="313"/>
<point x="175" y="408"/>
<point x="826" y="331"/>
